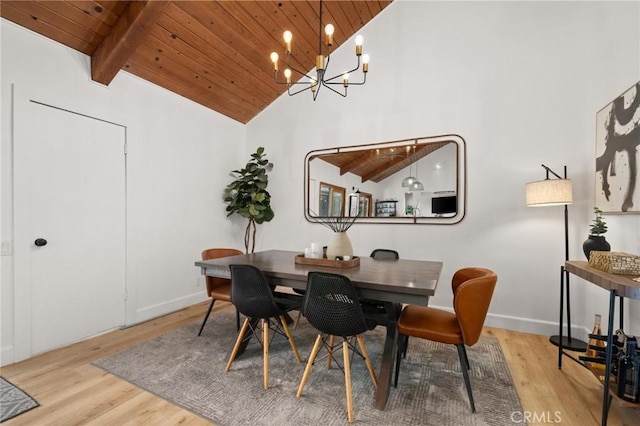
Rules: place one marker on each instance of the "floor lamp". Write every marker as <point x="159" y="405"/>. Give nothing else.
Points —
<point x="557" y="192"/>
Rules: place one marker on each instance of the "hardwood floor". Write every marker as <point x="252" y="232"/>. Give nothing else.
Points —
<point x="73" y="392"/>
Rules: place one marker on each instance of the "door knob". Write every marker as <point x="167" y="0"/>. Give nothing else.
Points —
<point x="40" y="242"/>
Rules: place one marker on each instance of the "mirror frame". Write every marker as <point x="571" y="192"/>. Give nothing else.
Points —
<point x="461" y="180"/>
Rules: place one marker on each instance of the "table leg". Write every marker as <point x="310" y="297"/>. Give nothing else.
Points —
<point x="388" y="356"/>
<point x="606" y="400"/>
<point x="562" y="284"/>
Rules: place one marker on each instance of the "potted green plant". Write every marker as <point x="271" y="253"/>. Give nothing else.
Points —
<point x="248" y="195"/>
<point x="596" y="240"/>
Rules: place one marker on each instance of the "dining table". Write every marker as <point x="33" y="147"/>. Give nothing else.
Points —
<point x="393" y="282"/>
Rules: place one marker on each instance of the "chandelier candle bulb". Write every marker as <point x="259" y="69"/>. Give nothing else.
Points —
<point x="287" y="74"/>
<point x="365" y="63"/>
<point x="328" y="30"/>
<point x="345" y="79"/>
<point x="274" y="59"/>
<point x="287" y="36"/>
<point x="319" y="62"/>
<point x="359" y="41"/>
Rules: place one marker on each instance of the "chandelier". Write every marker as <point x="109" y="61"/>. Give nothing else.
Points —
<point x="322" y="63"/>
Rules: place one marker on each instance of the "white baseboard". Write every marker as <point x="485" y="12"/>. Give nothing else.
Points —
<point x="154" y="311"/>
<point x="528" y="325"/>
<point x="6" y="355"/>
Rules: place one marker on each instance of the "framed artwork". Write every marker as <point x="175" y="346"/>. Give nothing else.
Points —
<point x="617" y="182"/>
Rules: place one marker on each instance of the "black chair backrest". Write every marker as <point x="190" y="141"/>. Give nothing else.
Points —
<point x="385" y="254"/>
<point x="331" y="305"/>
<point x="251" y="293"/>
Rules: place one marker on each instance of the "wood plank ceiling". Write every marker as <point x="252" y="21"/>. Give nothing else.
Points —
<point x="215" y="53"/>
<point x="378" y="164"/>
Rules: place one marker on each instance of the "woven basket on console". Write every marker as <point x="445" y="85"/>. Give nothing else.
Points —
<point x="615" y="262"/>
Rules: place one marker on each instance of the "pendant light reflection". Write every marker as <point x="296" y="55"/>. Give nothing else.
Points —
<point x="410" y="181"/>
<point x="416" y="185"/>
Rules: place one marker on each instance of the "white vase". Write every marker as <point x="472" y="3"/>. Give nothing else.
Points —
<point x="340" y="246"/>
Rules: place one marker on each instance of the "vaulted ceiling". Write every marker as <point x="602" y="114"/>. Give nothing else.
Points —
<point x="378" y="164"/>
<point x="215" y="53"/>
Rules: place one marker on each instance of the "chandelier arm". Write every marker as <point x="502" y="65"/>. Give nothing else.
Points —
<point x="324" y="83"/>
<point x="359" y="83"/>
<point x="298" y="91"/>
<point x="346" y="72"/>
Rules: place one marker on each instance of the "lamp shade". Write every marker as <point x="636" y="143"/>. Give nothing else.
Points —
<point x="549" y="192"/>
<point x="416" y="186"/>
<point x="408" y="181"/>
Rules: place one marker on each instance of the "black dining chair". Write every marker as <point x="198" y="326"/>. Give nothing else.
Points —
<point x="253" y="297"/>
<point x="375" y="310"/>
<point x="385" y="254"/>
<point x="332" y="307"/>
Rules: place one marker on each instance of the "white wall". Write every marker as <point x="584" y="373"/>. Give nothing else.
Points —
<point x="521" y="82"/>
<point x="177" y="166"/>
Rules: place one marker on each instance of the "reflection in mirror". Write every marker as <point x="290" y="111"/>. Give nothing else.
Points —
<point x="359" y="204"/>
<point x="419" y="180"/>
<point x="331" y="200"/>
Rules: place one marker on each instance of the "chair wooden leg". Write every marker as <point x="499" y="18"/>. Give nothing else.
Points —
<point x="265" y="348"/>
<point x="347" y="380"/>
<point x="206" y="317"/>
<point x="283" y="321"/>
<point x="330" y="351"/>
<point x="236" y="347"/>
<point x="367" y="360"/>
<point x="465" y="374"/>
<point x="307" y="369"/>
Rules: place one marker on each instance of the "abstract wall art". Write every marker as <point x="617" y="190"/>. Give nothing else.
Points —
<point x="617" y="182"/>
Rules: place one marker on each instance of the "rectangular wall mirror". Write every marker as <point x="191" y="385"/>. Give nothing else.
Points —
<point x="410" y="181"/>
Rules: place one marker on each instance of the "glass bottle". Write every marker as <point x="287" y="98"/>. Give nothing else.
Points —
<point x="595" y="343"/>
<point x="629" y="372"/>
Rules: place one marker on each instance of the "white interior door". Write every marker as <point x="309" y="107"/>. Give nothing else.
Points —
<point x="69" y="190"/>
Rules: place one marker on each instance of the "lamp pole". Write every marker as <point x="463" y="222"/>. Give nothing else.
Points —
<point x="565" y="342"/>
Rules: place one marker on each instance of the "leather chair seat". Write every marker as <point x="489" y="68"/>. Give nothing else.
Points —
<point x="443" y="325"/>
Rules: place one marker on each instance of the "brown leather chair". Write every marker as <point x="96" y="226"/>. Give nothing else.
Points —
<point x="472" y="292"/>
<point x="218" y="288"/>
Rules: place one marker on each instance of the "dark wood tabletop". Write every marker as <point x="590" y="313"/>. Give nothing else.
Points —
<point x="402" y="281"/>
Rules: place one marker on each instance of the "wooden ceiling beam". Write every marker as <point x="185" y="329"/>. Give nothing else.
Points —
<point x="123" y="39"/>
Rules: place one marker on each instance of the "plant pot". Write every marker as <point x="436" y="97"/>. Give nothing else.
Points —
<point x="595" y="242"/>
<point x="340" y="246"/>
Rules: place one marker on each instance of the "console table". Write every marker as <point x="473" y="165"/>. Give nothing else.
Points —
<point x="618" y="285"/>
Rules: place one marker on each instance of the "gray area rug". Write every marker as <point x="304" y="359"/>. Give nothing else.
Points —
<point x="13" y="401"/>
<point x="188" y="370"/>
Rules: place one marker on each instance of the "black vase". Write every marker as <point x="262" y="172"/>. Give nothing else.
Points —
<point x="595" y="242"/>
